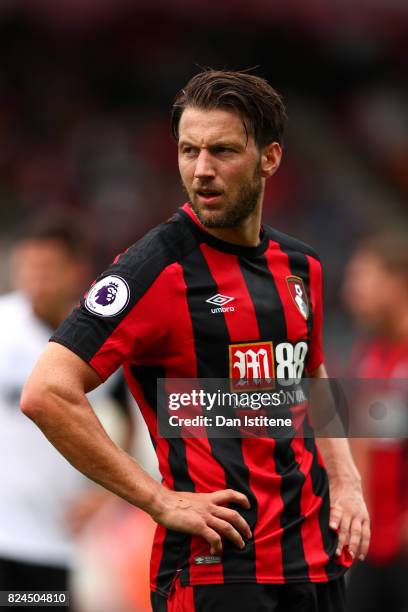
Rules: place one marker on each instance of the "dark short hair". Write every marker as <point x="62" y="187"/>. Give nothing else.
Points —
<point x="53" y="230"/>
<point x="260" y="106"/>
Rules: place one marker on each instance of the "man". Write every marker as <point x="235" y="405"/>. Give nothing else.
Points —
<point x="376" y="293"/>
<point x="43" y="499"/>
<point x="273" y="548"/>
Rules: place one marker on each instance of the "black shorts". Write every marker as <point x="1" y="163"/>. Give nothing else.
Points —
<point x="305" y="597"/>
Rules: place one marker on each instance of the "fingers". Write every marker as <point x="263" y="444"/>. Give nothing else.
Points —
<point x="229" y="496"/>
<point x="335" y="516"/>
<point x="344" y="529"/>
<point x="355" y="536"/>
<point x="341" y="523"/>
<point x="222" y="522"/>
<point x="234" y="518"/>
<point x="354" y="531"/>
<point x="214" y="540"/>
<point x="226" y="530"/>
<point x="365" y="540"/>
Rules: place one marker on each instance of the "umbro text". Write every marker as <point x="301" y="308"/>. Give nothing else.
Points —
<point x="223" y="309"/>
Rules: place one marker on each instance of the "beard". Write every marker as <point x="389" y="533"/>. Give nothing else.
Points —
<point x="233" y="214"/>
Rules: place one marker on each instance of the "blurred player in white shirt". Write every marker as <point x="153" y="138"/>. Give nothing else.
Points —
<point x="43" y="499"/>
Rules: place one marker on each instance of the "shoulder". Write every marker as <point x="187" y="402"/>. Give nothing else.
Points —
<point x="162" y="246"/>
<point x="146" y="264"/>
<point x="289" y="243"/>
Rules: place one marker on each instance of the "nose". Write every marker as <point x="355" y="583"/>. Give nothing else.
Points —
<point x="204" y="167"/>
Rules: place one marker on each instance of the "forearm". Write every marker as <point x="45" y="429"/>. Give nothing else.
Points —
<point x="331" y="439"/>
<point x="70" y="424"/>
<point x="348" y="512"/>
<point x="338" y="460"/>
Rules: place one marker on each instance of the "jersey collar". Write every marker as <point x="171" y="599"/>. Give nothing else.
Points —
<point x="186" y="213"/>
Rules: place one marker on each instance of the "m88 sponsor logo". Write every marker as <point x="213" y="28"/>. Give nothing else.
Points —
<point x="256" y="365"/>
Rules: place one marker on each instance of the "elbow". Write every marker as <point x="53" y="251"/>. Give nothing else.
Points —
<point x="32" y="402"/>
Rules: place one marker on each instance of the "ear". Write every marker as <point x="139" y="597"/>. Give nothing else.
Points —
<point x="271" y="156"/>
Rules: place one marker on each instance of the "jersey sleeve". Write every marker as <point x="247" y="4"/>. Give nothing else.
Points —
<point x="315" y="353"/>
<point x="122" y="315"/>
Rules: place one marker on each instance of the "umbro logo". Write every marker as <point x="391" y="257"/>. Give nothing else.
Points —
<point x="220" y="301"/>
<point x="209" y="560"/>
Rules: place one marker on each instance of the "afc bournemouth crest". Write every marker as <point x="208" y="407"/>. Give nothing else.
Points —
<point x="251" y="366"/>
<point x="298" y="293"/>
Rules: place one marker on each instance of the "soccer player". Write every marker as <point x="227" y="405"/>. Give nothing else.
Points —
<point x="43" y="499"/>
<point x="376" y="293"/>
<point x="243" y="524"/>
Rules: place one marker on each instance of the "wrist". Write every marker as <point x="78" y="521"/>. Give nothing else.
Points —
<point x="347" y="479"/>
<point x="156" y="502"/>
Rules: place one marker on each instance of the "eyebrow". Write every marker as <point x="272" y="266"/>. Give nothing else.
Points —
<point x="213" y="145"/>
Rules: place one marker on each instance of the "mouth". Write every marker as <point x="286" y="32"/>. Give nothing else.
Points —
<point x="209" y="196"/>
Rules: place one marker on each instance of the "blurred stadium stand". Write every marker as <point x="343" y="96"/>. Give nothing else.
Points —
<point x="84" y="104"/>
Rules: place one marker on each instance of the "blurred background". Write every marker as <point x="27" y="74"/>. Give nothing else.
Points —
<point x="85" y="92"/>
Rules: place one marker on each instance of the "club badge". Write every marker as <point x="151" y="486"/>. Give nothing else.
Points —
<point x="299" y="295"/>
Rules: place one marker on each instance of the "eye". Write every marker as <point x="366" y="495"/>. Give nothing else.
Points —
<point x="221" y="150"/>
<point x="188" y="150"/>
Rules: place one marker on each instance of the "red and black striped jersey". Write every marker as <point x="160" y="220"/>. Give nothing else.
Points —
<point x="163" y="310"/>
<point x="387" y="477"/>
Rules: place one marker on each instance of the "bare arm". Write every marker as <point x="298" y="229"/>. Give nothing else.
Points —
<point x="348" y="511"/>
<point x="54" y="398"/>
